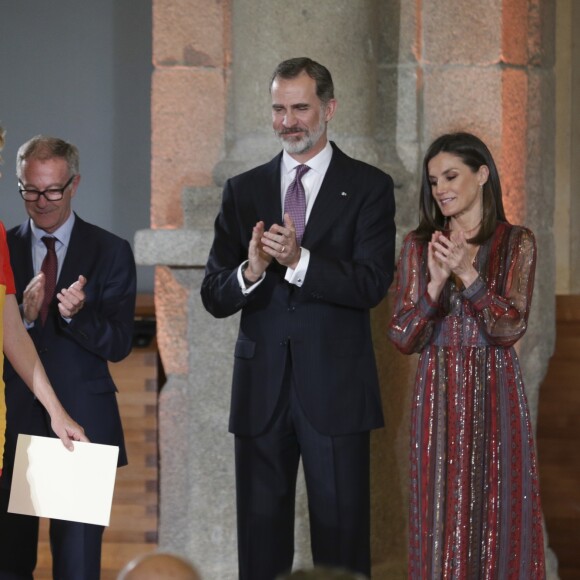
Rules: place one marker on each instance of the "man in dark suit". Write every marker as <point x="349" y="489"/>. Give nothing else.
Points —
<point x="304" y="382"/>
<point x="77" y="327"/>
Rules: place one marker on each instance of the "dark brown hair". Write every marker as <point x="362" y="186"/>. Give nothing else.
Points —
<point x="474" y="153"/>
<point x="291" y="68"/>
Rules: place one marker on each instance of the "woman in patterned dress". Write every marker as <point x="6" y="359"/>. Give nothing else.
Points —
<point x="20" y="350"/>
<point x="464" y="285"/>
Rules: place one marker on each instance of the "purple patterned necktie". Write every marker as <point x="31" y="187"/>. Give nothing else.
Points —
<point x="49" y="267"/>
<point x="295" y="202"/>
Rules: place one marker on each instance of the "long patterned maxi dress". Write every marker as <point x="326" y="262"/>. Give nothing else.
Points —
<point x="474" y="496"/>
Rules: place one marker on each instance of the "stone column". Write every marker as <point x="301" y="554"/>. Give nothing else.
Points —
<point x="340" y="34"/>
<point x="189" y="86"/>
<point x="265" y="33"/>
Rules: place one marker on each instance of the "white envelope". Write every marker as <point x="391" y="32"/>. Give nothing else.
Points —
<point x="52" y="482"/>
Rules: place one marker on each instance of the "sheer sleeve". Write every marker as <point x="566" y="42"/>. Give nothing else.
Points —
<point x="503" y="312"/>
<point x="414" y="313"/>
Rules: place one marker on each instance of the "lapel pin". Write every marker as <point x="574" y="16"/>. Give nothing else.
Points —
<point x="344" y="194"/>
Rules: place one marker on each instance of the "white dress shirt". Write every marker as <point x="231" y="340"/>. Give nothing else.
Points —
<point x="311" y="181"/>
<point x="62" y="239"/>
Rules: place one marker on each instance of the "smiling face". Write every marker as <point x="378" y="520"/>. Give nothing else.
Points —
<point x="299" y="117"/>
<point x="457" y="188"/>
<point x="42" y="174"/>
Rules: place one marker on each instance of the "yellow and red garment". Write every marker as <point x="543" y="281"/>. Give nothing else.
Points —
<point x="6" y="287"/>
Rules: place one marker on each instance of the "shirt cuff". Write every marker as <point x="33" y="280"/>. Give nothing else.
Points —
<point x="27" y="325"/>
<point x="298" y="275"/>
<point x="243" y="287"/>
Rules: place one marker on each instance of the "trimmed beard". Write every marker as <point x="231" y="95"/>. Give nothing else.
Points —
<point x="304" y="143"/>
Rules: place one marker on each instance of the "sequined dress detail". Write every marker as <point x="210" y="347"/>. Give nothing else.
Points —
<point x="474" y="496"/>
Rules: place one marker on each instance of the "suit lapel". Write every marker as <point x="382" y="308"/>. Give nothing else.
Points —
<point x="77" y="249"/>
<point x="21" y="257"/>
<point x="268" y="202"/>
<point x="332" y="199"/>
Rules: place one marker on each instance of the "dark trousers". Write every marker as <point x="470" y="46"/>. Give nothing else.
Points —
<point x="336" y="471"/>
<point x="76" y="547"/>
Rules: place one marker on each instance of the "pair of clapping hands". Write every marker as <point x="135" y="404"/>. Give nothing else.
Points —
<point x="279" y="243"/>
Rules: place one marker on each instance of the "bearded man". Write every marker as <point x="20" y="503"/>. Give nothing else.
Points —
<point x="304" y="248"/>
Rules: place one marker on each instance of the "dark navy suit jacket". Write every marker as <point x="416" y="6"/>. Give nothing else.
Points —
<point x="325" y="323"/>
<point x="76" y="355"/>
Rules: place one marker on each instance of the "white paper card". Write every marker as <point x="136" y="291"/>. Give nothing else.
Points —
<point x="52" y="482"/>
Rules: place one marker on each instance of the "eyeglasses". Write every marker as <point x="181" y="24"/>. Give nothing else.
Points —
<point x="52" y="194"/>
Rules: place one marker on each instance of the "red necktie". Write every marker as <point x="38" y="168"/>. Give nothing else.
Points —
<point x="49" y="267"/>
<point x="295" y="202"/>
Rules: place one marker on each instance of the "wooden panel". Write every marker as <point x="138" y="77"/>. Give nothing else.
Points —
<point x="134" y="515"/>
<point x="559" y="440"/>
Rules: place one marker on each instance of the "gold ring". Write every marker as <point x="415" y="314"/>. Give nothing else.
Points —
<point x="282" y="250"/>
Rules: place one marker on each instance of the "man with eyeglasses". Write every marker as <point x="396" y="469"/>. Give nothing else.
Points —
<point x="75" y="285"/>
